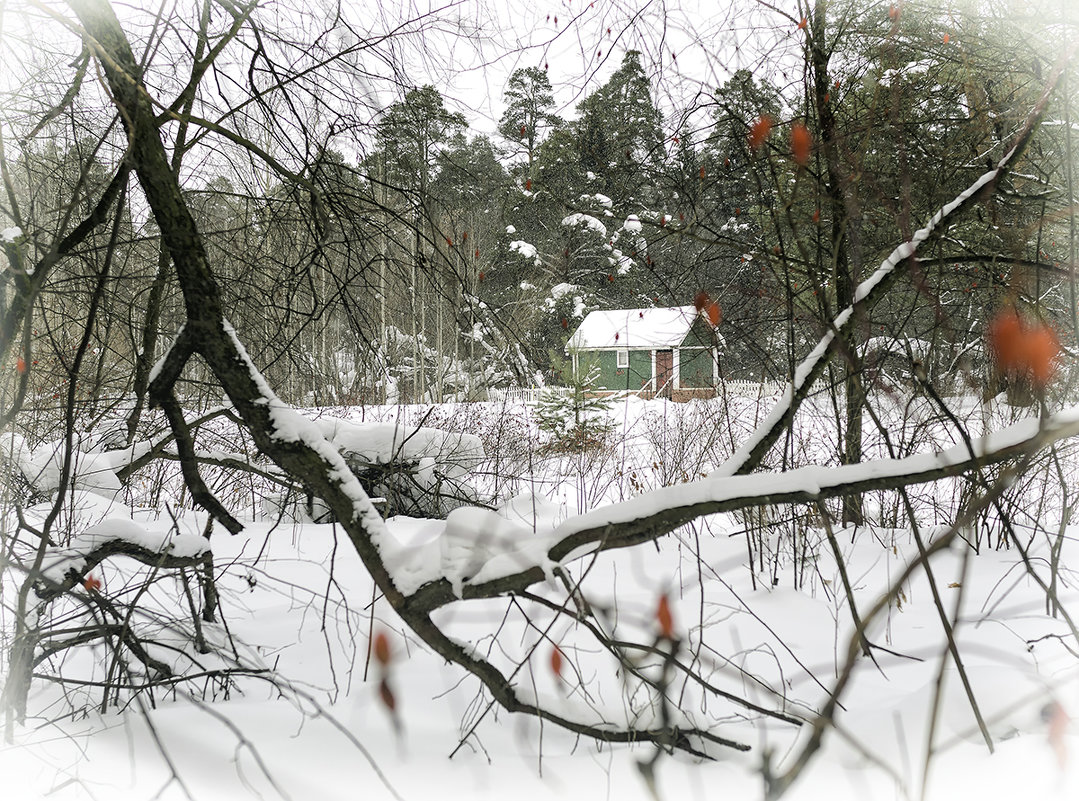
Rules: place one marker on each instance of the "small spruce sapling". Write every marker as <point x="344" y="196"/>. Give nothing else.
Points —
<point x="579" y="421"/>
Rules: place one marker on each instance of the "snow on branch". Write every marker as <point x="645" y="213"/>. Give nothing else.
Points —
<point x="585" y="221"/>
<point x="62" y="568"/>
<point x="172" y="360"/>
<point x="652" y="514"/>
<point x="289" y="426"/>
<point x="660" y="508"/>
<point x="753" y="450"/>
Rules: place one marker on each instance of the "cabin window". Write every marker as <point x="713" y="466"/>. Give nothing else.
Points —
<point x="621" y="358"/>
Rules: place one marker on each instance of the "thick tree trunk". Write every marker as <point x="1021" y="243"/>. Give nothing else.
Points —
<point x="206" y="331"/>
<point x="846" y="255"/>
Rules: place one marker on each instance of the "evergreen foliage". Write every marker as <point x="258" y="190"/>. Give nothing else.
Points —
<point x="528" y="116"/>
<point x="577" y="421"/>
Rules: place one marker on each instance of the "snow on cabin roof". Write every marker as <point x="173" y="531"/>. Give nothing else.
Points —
<point x="635" y="328"/>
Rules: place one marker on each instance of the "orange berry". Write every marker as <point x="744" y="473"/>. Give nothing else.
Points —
<point x="801" y="142"/>
<point x="382" y="649"/>
<point x="664" y="618"/>
<point x="759" y="131"/>
<point x="1021" y="349"/>
<point x="1042" y="348"/>
<point x="556" y="661"/>
<point x="715" y="314"/>
<point x="1005" y="340"/>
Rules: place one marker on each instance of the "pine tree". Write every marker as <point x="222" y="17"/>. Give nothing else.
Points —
<point x="528" y="116"/>
<point x="619" y="135"/>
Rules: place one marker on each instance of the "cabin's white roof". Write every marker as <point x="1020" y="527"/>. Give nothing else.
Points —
<point x="633" y="328"/>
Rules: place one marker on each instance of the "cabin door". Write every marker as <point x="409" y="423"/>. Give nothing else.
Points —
<point x="664" y="373"/>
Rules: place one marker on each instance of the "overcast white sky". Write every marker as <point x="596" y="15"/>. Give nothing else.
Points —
<point x="471" y="47"/>
<point x="468" y="49"/>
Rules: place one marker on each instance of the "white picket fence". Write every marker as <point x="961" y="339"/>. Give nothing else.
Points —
<point x="735" y="389"/>
<point x="753" y="389"/>
<point x="524" y="394"/>
<point x="765" y="389"/>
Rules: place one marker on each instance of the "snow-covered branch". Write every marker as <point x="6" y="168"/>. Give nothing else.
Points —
<point x="63" y="568"/>
<point x="652" y="514"/>
<point x="750" y="454"/>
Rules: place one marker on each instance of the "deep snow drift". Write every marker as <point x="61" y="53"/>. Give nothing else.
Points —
<point x="307" y="721"/>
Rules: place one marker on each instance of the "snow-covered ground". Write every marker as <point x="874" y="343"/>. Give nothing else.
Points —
<point x="297" y="606"/>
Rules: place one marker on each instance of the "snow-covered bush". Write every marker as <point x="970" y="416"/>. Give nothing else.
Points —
<point x="36" y="472"/>
<point x="416" y="470"/>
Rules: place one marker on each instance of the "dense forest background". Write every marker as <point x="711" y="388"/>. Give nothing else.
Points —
<point x="408" y="258"/>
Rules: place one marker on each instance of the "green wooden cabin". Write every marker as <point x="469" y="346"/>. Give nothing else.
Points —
<point x="670" y="352"/>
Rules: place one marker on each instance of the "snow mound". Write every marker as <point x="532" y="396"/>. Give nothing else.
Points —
<point x="42" y="466"/>
<point x="382" y="443"/>
<point x="480" y="545"/>
<point x="533" y="511"/>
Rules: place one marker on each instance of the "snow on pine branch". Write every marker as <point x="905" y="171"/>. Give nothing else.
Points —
<point x="527" y="251"/>
<point x="585" y="221"/>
